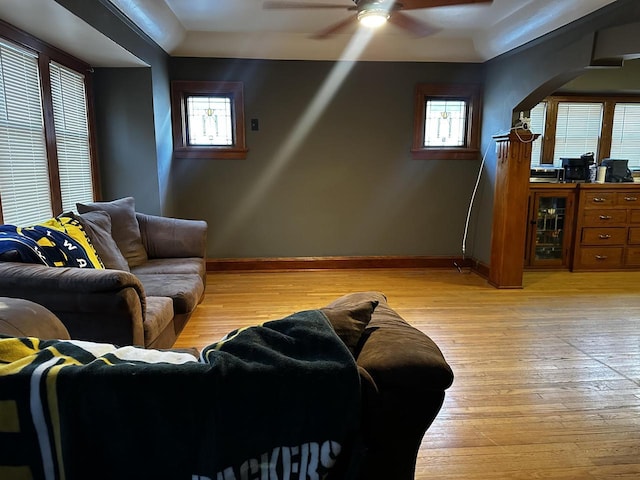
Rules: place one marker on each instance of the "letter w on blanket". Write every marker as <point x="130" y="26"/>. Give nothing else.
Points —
<point x="270" y="402"/>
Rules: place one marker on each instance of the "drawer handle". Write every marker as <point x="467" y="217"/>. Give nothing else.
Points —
<point x="605" y="217"/>
<point x="605" y="236"/>
<point x="601" y="257"/>
<point x="599" y="200"/>
<point x="631" y="199"/>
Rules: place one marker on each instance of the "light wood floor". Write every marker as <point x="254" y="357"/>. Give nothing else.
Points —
<point x="547" y="378"/>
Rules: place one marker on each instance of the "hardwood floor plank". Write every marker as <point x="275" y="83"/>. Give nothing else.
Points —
<point x="547" y="378"/>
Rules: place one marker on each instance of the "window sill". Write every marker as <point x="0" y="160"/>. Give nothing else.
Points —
<point x="211" y="153"/>
<point x="445" y="154"/>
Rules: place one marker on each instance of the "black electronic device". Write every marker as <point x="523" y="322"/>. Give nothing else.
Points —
<point x="577" y="170"/>
<point x="617" y="170"/>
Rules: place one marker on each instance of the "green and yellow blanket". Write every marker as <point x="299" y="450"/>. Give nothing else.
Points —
<point x="270" y="402"/>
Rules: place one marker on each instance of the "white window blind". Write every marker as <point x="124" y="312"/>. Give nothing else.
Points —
<point x="577" y="130"/>
<point x="24" y="178"/>
<point x="625" y="141"/>
<point x="537" y="117"/>
<point x="72" y="136"/>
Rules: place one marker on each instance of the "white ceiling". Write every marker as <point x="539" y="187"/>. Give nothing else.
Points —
<point x="244" y="29"/>
<point x="54" y="24"/>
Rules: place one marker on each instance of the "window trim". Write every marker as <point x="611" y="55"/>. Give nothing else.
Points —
<point x="47" y="53"/>
<point x="470" y="93"/>
<point x="180" y="90"/>
<point x="606" y="131"/>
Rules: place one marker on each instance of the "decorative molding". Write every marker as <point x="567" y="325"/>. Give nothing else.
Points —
<point x="328" y="263"/>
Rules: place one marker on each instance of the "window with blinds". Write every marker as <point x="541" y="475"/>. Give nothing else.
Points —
<point x="43" y="172"/>
<point x="537" y="117"/>
<point x="72" y="136"/>
<point x="625" y="136"/>
<point x="578" y="127"/>
<point x="24" y="177"/>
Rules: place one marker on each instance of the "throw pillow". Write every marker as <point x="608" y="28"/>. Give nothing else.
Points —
<point x="124" y="227"/>
<point x="350" y="323"/>
<point x="98" y="226"/>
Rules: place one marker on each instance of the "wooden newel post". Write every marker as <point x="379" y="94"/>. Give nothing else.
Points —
<point x="511" y="195"/>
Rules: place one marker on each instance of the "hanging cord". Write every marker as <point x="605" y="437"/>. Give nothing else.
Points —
<point x="520" y="126"/>
<point x="466" y="223"/>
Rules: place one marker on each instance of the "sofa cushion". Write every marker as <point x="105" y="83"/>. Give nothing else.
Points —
<point x="350" y="321"/>
<point x="185" y="290"/>
<point x="158" y="316"/>
<point x="124" y="227"/>
<point x="98" y="226"/>
<point x="192" y="265"/>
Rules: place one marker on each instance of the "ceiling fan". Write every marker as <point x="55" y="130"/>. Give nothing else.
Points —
<point x="373" y="13"/>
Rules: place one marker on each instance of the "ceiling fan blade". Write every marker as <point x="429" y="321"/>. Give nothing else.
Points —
<point x="418" y="28"/>
<point x="300" y="5"/>
<point x="416" y="4"/>
<point x="335" y="28"/>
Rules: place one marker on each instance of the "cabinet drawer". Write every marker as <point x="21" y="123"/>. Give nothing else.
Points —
<point x="634" y="236"/>
<point x="601" y="257"/>
<point x="599" y="199"/>
<point x="604" y="236"/>
<point x="595" y="218"/>
<point x="628" y="199"/>
<point x="633" y="257"/>
<point x="634" y="216"/>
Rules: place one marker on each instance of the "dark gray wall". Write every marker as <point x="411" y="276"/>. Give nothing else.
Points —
<point x="126" y="146"/>
<point x="521" y="78"/>
<point x="625" y="80"/>
<point x="139" y="168"/>
<point x="330" y="171"/>
<point x="340" y="180"/>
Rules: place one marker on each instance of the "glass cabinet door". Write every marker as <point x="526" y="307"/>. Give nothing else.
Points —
<point x="550" y="228"/>
<point x="550" y="225"/>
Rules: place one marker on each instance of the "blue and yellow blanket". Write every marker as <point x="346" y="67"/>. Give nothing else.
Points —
<point x="58" y="242"/>
<point x="270" y="402"/>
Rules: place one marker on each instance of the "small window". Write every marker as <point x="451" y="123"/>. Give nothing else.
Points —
<point x="538" y="117"/>
<point x="625" y="140"/>
<point x="208" y="120"/>
<point x="578" y="128"/>
<point x="446" y="122"/>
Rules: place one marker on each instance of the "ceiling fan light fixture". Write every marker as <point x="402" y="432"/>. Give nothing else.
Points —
<point x="373" y="17"/>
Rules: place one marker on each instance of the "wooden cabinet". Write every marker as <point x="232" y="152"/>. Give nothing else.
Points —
<point x="550" y="225"/>
<point x="607" y="235"/>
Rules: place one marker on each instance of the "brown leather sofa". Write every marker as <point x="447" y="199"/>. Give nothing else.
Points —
<point x="403" y="379"/>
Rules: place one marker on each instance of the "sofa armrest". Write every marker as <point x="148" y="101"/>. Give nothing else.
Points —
<point x="405" y="388"/>
<point x="396" y="354"/>
<point x="23" y="318"/>
<point x="100" y="305"/>
<point x="165" y="237"/>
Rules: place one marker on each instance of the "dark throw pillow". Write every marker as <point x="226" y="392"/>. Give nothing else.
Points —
<point x="350" y="322"/>
<point x="124" y="227"/>
<point x="98" y="226"/>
